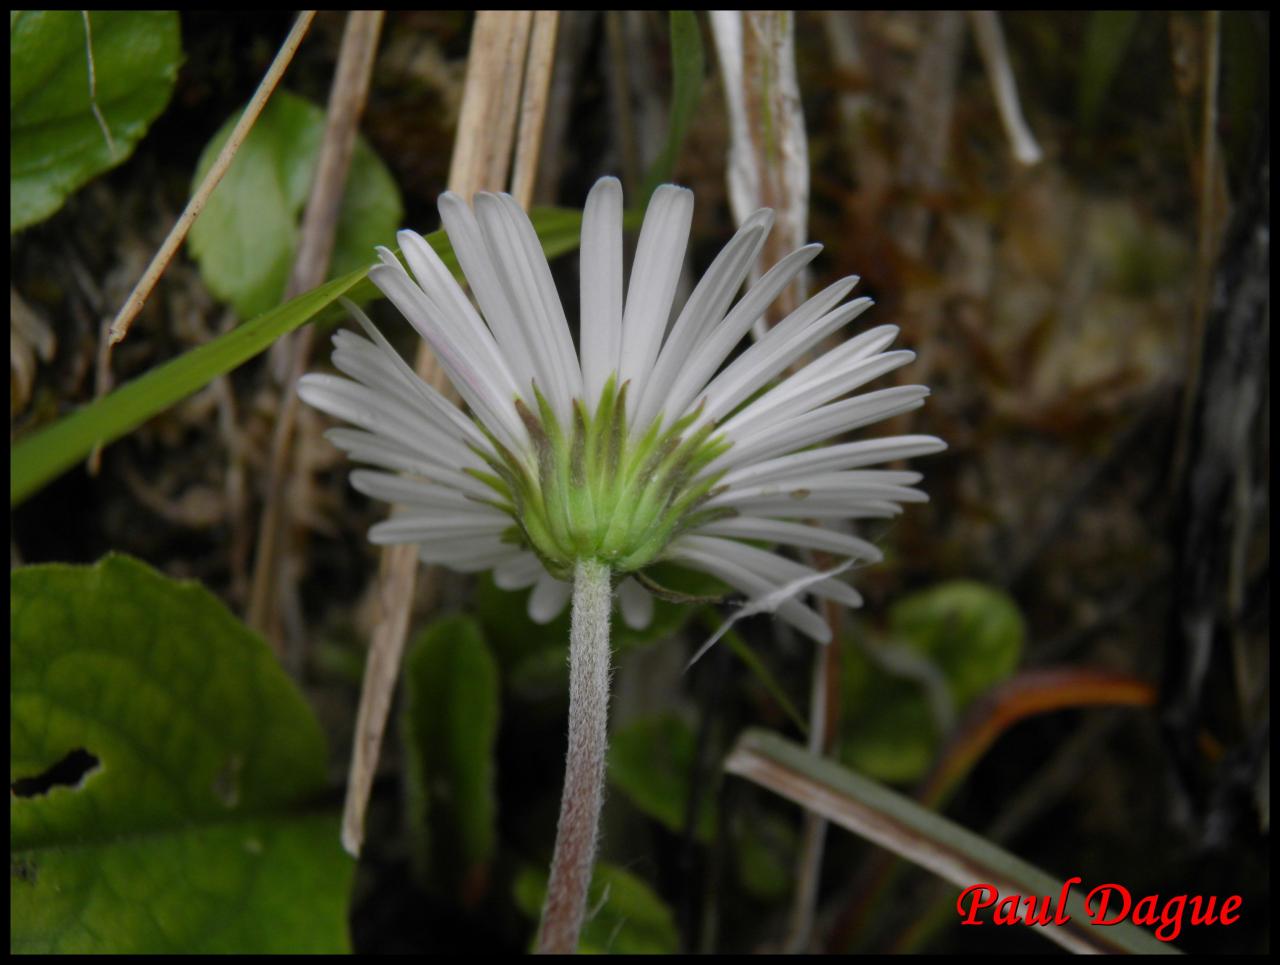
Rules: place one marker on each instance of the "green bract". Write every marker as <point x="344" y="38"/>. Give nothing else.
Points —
<point x="596" y="493"/>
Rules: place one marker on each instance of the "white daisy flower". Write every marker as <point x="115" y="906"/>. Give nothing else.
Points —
<point x="579" y="469"/>
<point x="641" y="445"/>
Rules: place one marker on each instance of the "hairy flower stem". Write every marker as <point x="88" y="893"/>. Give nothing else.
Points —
<point x="584" y="767"/>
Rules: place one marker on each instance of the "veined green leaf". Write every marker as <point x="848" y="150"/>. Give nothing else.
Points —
<point x="247" y="236"/>
<point x="163" y="771"/>
<point x="59" y="136"/>
<point x="43" y="455"/>
<point x="651" y="762"/>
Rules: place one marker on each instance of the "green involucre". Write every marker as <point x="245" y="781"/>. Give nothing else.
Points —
<point x="594" y="492"/>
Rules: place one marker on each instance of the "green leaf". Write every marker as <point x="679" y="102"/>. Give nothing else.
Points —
<point x="45" y="454"/>
<point x="965" y="635"/>
<point x="974" y="632"/>
<point x="56" y="141"/>
<point x="450" y="726"/>
<point x="627" y="917"/>
<point x="929" y="840"/>
<point x="246" y="237"/>
<point x="888" y="731"/>
<point x="687" y="66"/>
<point x="184" y="828"/>
<point x="651" y="761"/>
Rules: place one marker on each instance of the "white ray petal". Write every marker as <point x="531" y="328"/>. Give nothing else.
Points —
<point x="473" y="255"/>
<point x="523" y="270"/>
<point x="846" y="455"/>
<point x="803" y="392"/>
<point x="654" y="275"/>
<point x="548" y="599"/>
<point x="782" y="345"/>
<point x="443" y="289"/>
<point x="477" y="386"/>
<point x="366" y="364"/>
<point x="636" y="604"/>
<point x="862" y="346"/>
<point x="774" y="568"/>
<point x="383" y="413"/>
<point x="518" y="572"/>
<point x="377" y="450"/>
<point x="600" y="324"/>
<point x="818" y="507"/>
<point x="421" y="525"/>
<point x="714" y="349"/>
<point x="411" y="492"/>
<point x="754" y="586"/>
<point x="704" y="310"/>
<point x="792" y="534"/>
<point x="830" y="420"/>
<point x="436" y="407"/>
<point x="469" y="556"/>
<point x="857" y="485"/>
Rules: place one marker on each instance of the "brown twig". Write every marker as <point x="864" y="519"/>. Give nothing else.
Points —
<point x="319" y="225"/>
<point x="133" y="304"/>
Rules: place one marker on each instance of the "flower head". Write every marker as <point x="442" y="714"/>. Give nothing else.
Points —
<point x="639" y="446"/>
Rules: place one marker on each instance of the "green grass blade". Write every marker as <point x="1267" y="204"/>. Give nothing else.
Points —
<point x="687" y="65"/>
<point x="923" y="837"/>
<point x="47" y="453"/>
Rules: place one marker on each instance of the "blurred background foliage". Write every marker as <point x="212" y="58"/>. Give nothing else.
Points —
<point x="1055" y="310"/>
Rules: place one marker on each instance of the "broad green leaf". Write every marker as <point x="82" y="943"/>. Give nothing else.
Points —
<point x="969" y="636"/>
<point x="57" y="142"/>
<point x="923" y="837"/>
<point x="450" y="726"/>
<point x="627" y="917"/>
<point x="974" y="632"/>
<point x="887" y="730"/>
<point x="45" y="454"/>
<point x="687" y="66"/>
<point x="246" y="237"/>
<point x="187" y="826"/>
<point x="651" y="762"/>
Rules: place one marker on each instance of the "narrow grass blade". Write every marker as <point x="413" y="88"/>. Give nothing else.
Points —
<point x="688" y="64"/>
<point x="45" y="454"/>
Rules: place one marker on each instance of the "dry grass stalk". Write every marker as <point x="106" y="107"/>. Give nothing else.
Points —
<point x="481" y="160"/>
<point x="533" y="104"/>
<point x="768" y="152"/>
<point x="347" y="98"/>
